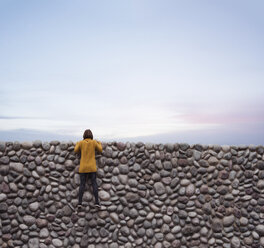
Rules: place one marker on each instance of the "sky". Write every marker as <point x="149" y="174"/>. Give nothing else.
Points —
<point x="137" y="70"/>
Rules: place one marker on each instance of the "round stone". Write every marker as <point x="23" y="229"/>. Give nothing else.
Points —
<point x="228" y="220"/>
<point x="141" y="232"/>
<point x="3" y="207"/>
<point x="34" y="206"/>
<point x="69" y="165"/>
<point x="261" y="241"/>
<point x="64" y="145"/>
<point x="132" y="182"/>
<point x="27" y="145"/>
<point x="41" y="223"/>
<point x="243" y="221"/>
<point x="159" y="188"/>
<point x="190" y="190"/>
<point x="124" y="231"/>
<point x="2" y="146"/>
<point x="29" y="220"/>
<point x="136" y="167"/>
<point x="4" y="160"/>
<point x="45" y="146"/>
<point x="235" y="242"/>
<point x="260" y="165"/>
<point x="185" y="182"/>
<point x="114" y="217"/>
<point x="213" y="161"/>
<point x="37" y="143"/>
<point x="105" y="196"/>
<point x="123" y="168"/>
<point x="132" y="197"/>
<point x="260" y="230"/>
<point x="57" y="242"/>
<point x="13" y="187"/>
<point x="2" y="197"/>
<point x="33" y="243"/>
<point x="18" y="167"/>
<point x="44" y="233"/>
<point x="4" y="170"/>
<point x="260" y="184"/>
<point x="121" y="146"/>
<point x="217" y="225"/>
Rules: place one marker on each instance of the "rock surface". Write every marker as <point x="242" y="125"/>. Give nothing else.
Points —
<point x="152" y="195"/>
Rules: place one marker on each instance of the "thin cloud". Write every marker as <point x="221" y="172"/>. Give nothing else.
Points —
<point x="2" y="117"/>
<point x="33" y="134"/>
<point x="238" y="113"/>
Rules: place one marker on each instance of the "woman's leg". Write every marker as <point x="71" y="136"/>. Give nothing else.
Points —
<point x="95" y="187"/>
<point x="83" y="177"/>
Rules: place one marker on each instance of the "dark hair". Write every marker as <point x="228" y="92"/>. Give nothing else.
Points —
<point x="87" y="134"/>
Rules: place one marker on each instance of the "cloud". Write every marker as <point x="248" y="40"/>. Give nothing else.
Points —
<point x="33" y="134"/>
<point x="16" y="117"/>
<point x="223" y="114"/>
<point x="220" y="136"/>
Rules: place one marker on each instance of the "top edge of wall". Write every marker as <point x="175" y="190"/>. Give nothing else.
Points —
<point x="38" y="143"/>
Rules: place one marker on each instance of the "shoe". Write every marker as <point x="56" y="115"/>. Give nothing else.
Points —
<point x="97" y="205"/>
<point x="79" y="207"/>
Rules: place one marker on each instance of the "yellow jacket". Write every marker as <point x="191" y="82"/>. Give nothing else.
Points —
<point x="87" y="148"/>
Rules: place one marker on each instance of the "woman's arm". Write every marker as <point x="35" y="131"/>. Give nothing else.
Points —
<point x="77" y="147"/>
<point x="98" y="146"/>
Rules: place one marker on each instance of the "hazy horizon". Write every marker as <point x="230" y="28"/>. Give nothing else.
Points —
<point x="155" y="71"/>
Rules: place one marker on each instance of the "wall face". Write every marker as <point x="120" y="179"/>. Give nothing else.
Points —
<point x="172" y="195"/>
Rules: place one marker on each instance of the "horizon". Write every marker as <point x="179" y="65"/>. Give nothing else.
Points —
<point x="150" y="71"/>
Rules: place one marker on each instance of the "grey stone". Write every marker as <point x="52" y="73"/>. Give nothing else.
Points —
<point x="26" y="145"/>
<point x="37" y="143"/>
<point x="123" y="168"/>
<point x="64" y="145"/>
<point x="85" y="241"/>
<point x="260" y="165"/>
<point x="185" y="182"/>
<point x="260" y="184"/>
<point x="217" y="225"/>
<point x="57" y="243"/>
<point x="105" y="196"/>
<point x="69" y="165"/>
<point x="159" y="188"/>
<point x="29" y="220"/>
<point x="45" y="146"/>
<point x="167" y="165"/>
<point x="2" y="197"/>
<point x="2" y="146"/>
<point x="190" y="190"/>
<point x="33" y="243"/>
<point x="4" y="160"/>
<point x="132" y="197"/>
<point x="4" y="170"/>
<point x="3" y="207"/>
<point x="260" y="230"/>
<point x="114" y="217"/>
<point x="228" y="220"/>
<point x="44" y="233"/>
<point x="18" y="167"/>
<point x="235" y="242"/>
<point x="34" y="206"/>
<point x="141" y="232"/>
<point x="243" y="221"/>
<point x="136" y="167"/>
<point x="196" y="155"/>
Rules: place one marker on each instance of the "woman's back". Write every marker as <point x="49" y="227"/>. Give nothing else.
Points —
<point x="87" y="148"/>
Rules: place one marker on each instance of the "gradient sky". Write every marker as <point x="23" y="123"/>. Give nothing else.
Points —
<point x="152" y="71"/>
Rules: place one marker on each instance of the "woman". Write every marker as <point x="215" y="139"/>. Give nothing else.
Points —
<point x="87" y="147"/>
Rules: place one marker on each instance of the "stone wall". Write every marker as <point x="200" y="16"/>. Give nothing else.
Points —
<point x="152" y="195"/>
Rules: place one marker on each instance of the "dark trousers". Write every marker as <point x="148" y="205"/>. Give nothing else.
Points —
<point x="83" y="178"/>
